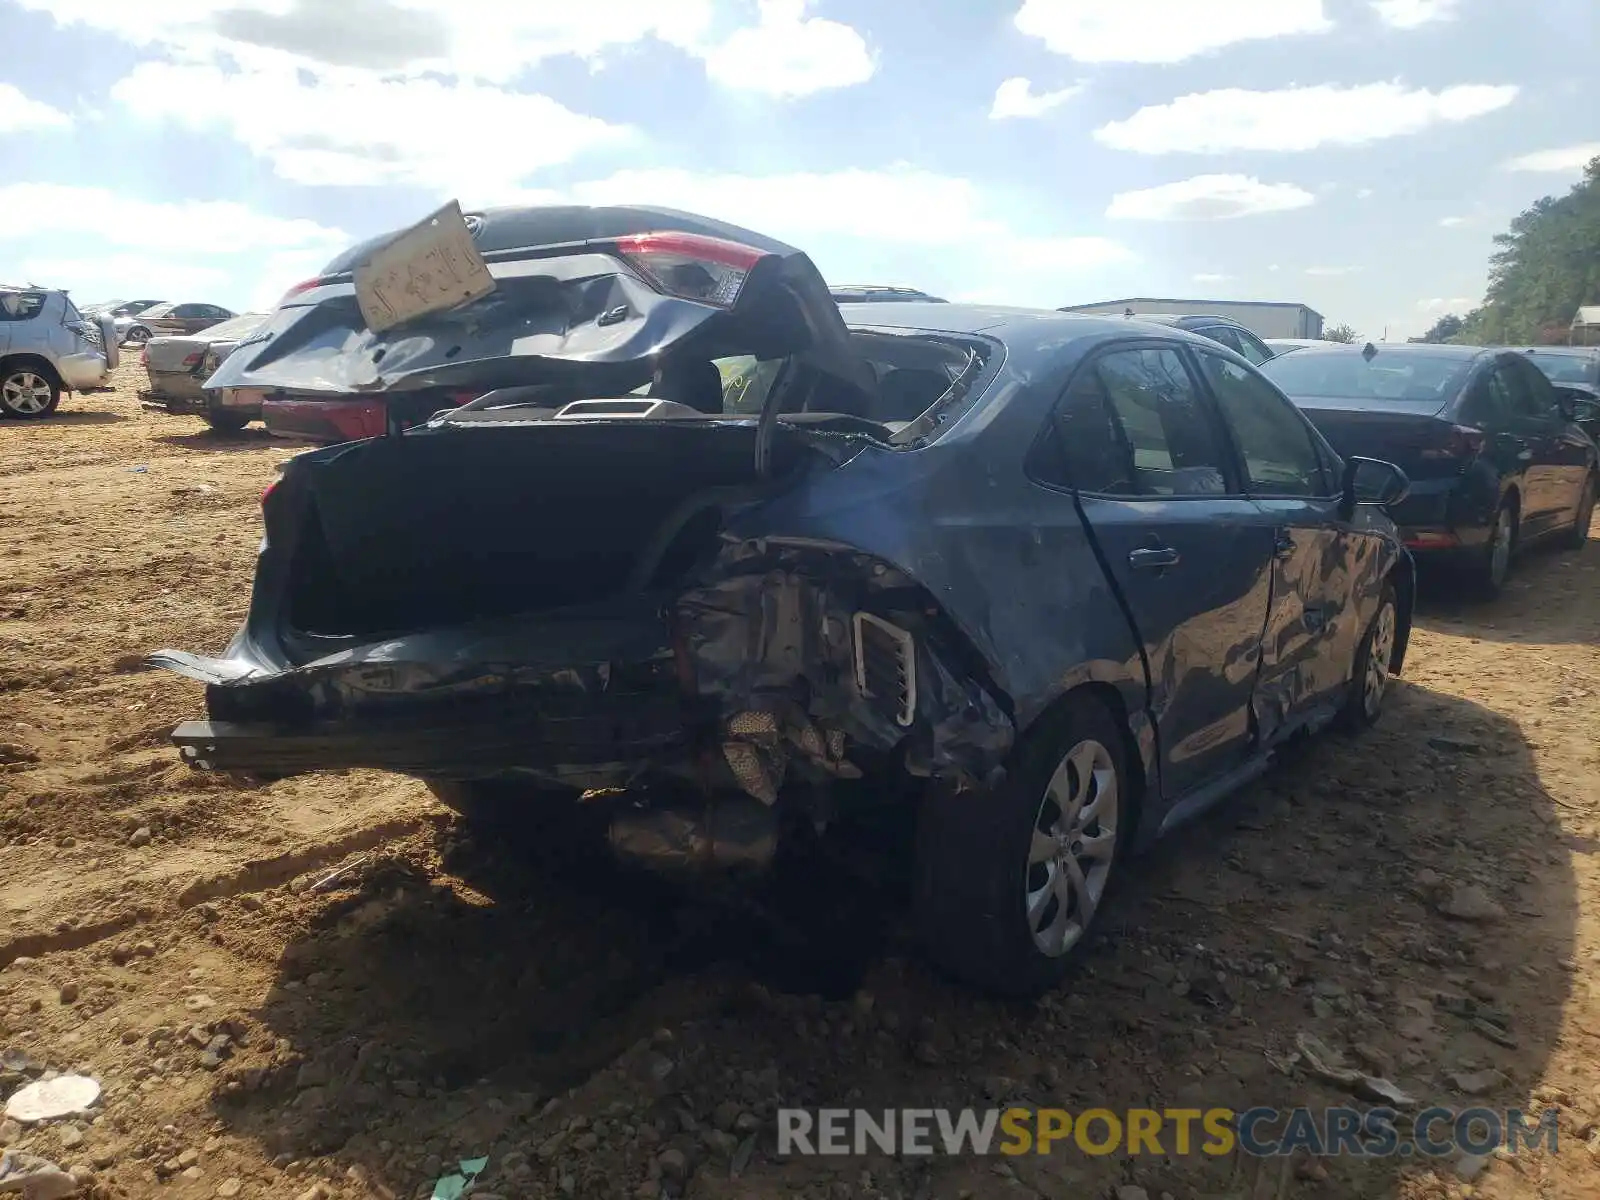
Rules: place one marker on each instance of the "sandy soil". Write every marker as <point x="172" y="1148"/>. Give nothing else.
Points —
<point x="441" y="1000"/>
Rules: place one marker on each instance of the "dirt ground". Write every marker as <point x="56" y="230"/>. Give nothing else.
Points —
<point x="262" y="1030"/>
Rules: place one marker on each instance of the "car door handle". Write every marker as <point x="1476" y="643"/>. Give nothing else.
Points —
<point x="1153" y="558"/>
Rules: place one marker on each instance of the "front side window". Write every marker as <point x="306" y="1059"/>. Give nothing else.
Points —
<point x="1132" y="424"/>
<point x="20" y="306"/>
<point x="1530" y="389"/>
<point x="1279" y="453"/>
<point x="1254" y="349"/>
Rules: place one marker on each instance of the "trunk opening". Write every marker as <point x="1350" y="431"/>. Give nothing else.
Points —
<point x="454" y="525"/>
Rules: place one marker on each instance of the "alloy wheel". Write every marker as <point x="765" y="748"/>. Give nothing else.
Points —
<point x="1380" y="652"/>
<point x="1073" y="848"/>
<point x="26" y="393"/>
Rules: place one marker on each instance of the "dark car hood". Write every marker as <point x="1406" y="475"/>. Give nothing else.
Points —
<point x="565" y="305"/>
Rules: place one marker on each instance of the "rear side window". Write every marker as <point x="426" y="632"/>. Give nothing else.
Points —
<point x="20" y="306"/>
<point x="1132" y="424"/>
<point x="1254" y="350"/>
<point x="1277" y="447"/>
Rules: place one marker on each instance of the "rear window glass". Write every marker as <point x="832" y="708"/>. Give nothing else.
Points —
<point x="1568" y="368"/>
<point x="1390" y="375"/>
<point x="234" y="327"/>
<point x="20" y="306"/>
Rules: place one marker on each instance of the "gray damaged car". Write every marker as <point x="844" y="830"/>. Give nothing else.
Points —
<point x="724" y="567"/>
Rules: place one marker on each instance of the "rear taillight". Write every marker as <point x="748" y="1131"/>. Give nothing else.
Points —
<point x="305" y="285"/>
<point x="691" y="265"/>
<point x="144" y="357"/>
<point x="269" y="489"/>
<point x="192" y="360"/>
<point x="1460" y="441"/>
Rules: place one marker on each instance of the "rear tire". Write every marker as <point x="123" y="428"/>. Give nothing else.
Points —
<point x="1490" y="573"/>
<point x="1009" y="884"/>
<point x="225" y="421"/>
<point x="28" y="391"/>
<point x="137" y="336"/>
<point x="1374" y="663"/>
<point x="1577" y="537"/>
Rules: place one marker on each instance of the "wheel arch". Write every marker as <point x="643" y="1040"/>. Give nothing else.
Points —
<point x="37" y="362"/>
<point x="1403" y="578"/>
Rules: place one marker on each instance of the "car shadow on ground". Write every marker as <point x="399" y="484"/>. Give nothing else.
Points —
<point x="1545" y="600"/>
<point x="460" y="1004"/>
<point x="249" y="438"/>
<point x="67" y="417"/>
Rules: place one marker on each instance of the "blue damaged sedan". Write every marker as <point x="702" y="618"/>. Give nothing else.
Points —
<point x="724" y="566"/>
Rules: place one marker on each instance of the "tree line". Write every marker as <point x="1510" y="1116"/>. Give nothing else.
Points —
<point x="1544" y="267"/>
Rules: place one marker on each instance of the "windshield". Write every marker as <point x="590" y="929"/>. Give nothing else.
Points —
<point x="1390" y="375"/>
<point x="1567" y="368"/>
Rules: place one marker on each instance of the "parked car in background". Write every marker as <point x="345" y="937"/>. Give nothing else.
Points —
<point x="874" y="293"/>
<point x="119" y="308"/>
<point x="1494" y="457"/>
<point x="1575" y="372"/>
<point x="969" y="615"/>
<point x="178" y="366"/>
<point x="186" y="317"/>
<point x="46" y="347"/>
<point x="1219" y="329"/>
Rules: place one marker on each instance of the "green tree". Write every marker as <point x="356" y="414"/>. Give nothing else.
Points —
<point x="1445" y="328"/>
<point x="1544" y="267"/>
<point x="1340" y="333"/>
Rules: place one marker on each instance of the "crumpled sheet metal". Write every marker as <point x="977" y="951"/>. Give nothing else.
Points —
<point x="778" y="642"/>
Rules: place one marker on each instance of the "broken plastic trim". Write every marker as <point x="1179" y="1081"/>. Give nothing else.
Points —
<point x="896" y="653"/>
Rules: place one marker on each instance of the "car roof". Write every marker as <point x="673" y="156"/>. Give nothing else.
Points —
<point x="1409" y="349"/>
<point x="881" y="293"/>
<point x="1572" y="351"/>
<point x="1006" y="322"/>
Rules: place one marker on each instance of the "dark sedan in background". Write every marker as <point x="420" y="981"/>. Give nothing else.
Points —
<point x="1071" y="585"/>
<point x="176" y="318"/>
<point x="1575" y="372"/>
<point x="1495" y="456"/>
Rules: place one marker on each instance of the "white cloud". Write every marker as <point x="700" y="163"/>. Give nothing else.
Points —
<point x="208" y="227"/>
<point x="1208" y="198"/>
<point x="19" y="112"/>
<point x="356" y="128"/>
<point x="1452" y="222"/>
<point x="1161" y="31"/>
<point x="1408" y="14"/>
<point x="1016" y="98"/>
<point x="1331" y="272"/>
<point x="119" y="245"/>
<point x="1567" y="158"/>
<point x="1363" y="193"/>
<point x="1209" y="277"/>
<point x="900" y="206"/>
<point x="788" y="54"/>
<point x="784" y="53"/>
<point x="109" y="276"/>
<point x="1446" y="304"/>
<point x="1298" y="118"/>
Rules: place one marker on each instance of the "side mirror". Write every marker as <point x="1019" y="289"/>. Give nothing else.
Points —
<point x="1372" y="481"/>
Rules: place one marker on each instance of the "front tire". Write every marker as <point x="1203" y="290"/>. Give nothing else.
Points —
<point x="1010" y="884"/>
<point x="1578" y="536"/>
<point x="29" y="392"/>
<point x="137" y="336"/>
<point x="1374" y="664"/>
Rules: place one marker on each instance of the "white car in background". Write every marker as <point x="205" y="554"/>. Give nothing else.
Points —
<point x="47" y="347"/>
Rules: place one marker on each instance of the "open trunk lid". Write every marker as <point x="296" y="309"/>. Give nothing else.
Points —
<point x="592" y="293"/>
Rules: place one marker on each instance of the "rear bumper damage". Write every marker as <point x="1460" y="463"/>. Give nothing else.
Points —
<point x="800" y="665"/>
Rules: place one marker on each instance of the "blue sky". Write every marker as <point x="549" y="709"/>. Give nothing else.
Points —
<point x="1354" y="155"/>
